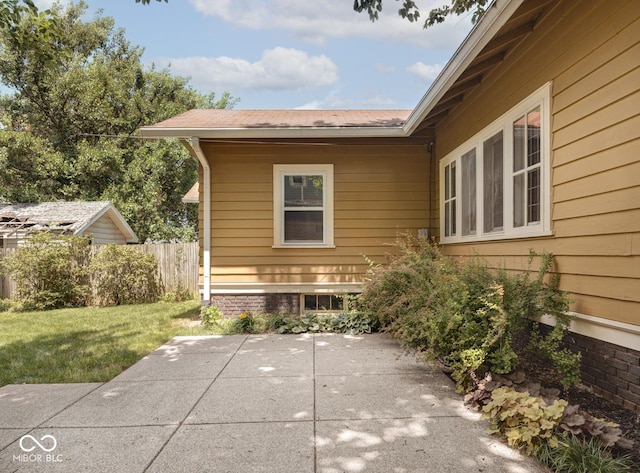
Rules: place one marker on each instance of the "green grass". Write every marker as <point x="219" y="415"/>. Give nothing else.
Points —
<point x="88" y="344"/>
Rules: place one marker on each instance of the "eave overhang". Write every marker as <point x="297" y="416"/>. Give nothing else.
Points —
<point x="483" y="49"/>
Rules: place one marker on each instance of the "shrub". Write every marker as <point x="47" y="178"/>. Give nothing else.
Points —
<point x="50" y="271"/>
<point x="353" y="323"/>
<point x="210" y="316"/>
<point x="526" y="421"/>
<point x="124" y="275"/>
<point x="282" y="323"/>
<point x="466" y="315"/>
<point x="245" y="323"/>
<point x="574" y="455"/>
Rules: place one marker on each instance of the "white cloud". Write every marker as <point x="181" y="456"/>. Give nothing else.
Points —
<point x="317" y="21"/>
<point x="426" y="72"/>
<point x="278" y="69"/>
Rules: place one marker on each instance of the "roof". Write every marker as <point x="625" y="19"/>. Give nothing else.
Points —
<point x="505" y="24"/>
<point x="192" y="195"/>
<point x="250" y="123"/>
<point x="61" y="217"/>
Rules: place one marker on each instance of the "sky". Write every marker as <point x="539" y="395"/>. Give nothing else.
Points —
<point x="290" y="54"/>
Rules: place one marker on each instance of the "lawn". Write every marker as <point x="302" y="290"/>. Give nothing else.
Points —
<point x="87" y="344"/>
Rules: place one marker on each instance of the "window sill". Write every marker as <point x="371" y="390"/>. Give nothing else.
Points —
<point x="303" y="246"/>
<point x="494" y="237"/>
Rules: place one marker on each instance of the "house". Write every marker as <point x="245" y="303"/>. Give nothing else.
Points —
<point x="528" y="139"/>
<point x="101" y="221"/>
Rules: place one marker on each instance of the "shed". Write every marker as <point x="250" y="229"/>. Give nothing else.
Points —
<point x="101" y="221"/>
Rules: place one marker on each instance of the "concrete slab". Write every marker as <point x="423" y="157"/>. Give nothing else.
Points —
<point x="8" y="436"/>
<point x="384" y="396"/>
<point x="367" y="361"/>
<point x="201" y="344"/>
<point x="426" y="445"/>
<point x="118" y="404"/>
<point x="255" y="363"/>
<point x="333" y="341"/>
<point x="287" y="342"/>
<point x="266" y="399"/>
<point x="87" y="450"/>
<point x="28" y="405"/>
<point x="282" y="447"/>
<point x="177" y="366"/>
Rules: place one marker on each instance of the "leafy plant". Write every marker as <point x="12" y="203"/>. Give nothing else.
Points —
<point x="210" y="316"/>
<point x="583" y="425"/>
<point x="50" y="271"/>
<point x="124" y="275"/>
<point x="574" y="455"/>
<point x="302" y="324"/>
<point x="466" y="315"/>
<point x="352" y="322"/>
<point x="526" y="421"/>
<point x="245" y="323"/>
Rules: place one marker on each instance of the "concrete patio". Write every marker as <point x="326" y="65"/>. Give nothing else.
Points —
<point x="255" y="403"/>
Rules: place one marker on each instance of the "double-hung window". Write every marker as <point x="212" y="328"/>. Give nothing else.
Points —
<point x="497" y="184"/>
<point x="303" y="205"/>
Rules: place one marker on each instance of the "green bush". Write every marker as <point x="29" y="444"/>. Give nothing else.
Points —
<point x="574" y="455"/>
<point x="210" y="316"/>
<point x="50" y="271"/>
<point x="466" y="315"/>
<point x="124" y="275"/>
<point x="283" y="323"/>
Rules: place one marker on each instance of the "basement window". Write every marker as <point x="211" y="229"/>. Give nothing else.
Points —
<point x="323" y="302"/>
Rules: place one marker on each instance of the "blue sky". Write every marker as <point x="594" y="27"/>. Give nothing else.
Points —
<point x="286" y="54"/>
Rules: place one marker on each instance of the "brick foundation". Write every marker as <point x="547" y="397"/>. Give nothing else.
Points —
<point x="611" y="370"/>
<point x="232" y="305"/>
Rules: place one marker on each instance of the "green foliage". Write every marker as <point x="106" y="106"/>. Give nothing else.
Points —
<point x="50" y="271"/>
<point x="282" y="323"/>
<point x="124" y="275"/>
<point x="574" y="455"/>
<point x="6" y="305"/>
<point x="352" y="322"/>
<point x="525" y="421"/>
<point x="245" y="323"/>
<point x="71" y="120"/>
<point x="467" y="315"/>
<point x="411" y="11"/>
<point x="210" y="316"/>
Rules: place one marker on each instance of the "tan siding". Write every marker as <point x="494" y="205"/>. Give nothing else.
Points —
<point x="591" y="53"/>
<point x="104" y="231"/>
<point x="379" y="191"/>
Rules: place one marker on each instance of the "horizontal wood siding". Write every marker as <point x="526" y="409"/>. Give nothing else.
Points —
<point x="379" y="191"/>
<point x="104" y="231"/>
<point x="591" y="53"/>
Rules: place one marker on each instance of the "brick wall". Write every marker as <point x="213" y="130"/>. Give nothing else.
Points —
<point x="232" y="305"/>
<point x="611" y="370"/>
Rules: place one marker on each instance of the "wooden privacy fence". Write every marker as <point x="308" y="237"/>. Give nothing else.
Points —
<point x="177" y="266"/>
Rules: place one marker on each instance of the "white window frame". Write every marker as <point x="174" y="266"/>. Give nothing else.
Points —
<point x="279" y="173"/>
<point x="541" y="98"/>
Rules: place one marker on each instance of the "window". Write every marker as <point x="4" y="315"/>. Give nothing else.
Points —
<point x="323" y="302"/>
<point x="303" y="205"/>
<point x="503" y="186"/>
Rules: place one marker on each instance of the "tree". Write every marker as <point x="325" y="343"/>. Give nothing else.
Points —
<point x="70" y="125"/>
<point x="411" y="12"/>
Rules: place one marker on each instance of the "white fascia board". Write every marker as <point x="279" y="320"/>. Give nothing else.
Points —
<point x="498" y="13"/>
<point x="278" y="133"/>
